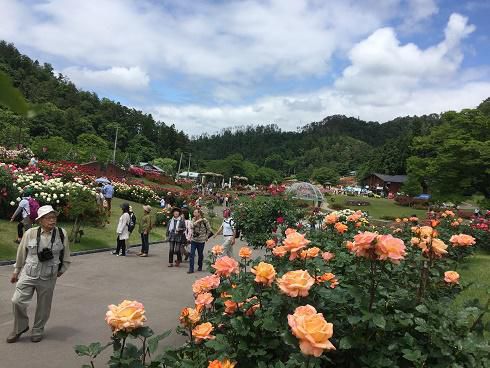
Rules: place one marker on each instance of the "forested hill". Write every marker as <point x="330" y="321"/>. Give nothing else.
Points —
<point x="75" y="115"/>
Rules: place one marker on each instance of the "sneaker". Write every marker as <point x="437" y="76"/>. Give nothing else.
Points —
<point x="36" y="338"/>
<point x="115" y="253"/>
<point x="13" y="337"/>
<point x="143" y="255"/>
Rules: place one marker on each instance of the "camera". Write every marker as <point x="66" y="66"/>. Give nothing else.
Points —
<point x="45" y="255"/>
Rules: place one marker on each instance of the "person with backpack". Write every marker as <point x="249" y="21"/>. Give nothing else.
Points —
<point x="42" y="256"/>
<point x="26" y="212"/>
<point x="201" y="230"/>
<point x="144" y="229"/>
<point x="188" y="233"/>
<point x="123" y="230"/>
<point x="175" y="237"/>
<point x="131" y="226"/>
<point x="108" y="192"/>
<point x="229" y="230"/>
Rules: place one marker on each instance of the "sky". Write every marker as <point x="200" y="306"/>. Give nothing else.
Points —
<point x="209" y="65"/>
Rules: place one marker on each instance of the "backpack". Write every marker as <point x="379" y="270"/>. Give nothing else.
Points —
<point x="132" y="222"/>
<point x="33" y="207"/>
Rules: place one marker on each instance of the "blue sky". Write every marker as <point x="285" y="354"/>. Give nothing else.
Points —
<point x="206" y="65"/>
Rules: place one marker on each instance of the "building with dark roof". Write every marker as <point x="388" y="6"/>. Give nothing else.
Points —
<point x="384" y="183"/>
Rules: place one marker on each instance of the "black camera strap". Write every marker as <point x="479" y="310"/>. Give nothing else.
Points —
<point x="38" y="239"/>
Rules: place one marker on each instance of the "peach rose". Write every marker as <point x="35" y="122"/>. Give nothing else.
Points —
<point x="127" y="316"/>
<point x="425" y="231"/>
<point x="251" y="309"/>
<point x="204" y="299"/>
<point x="280" y="251"/>
<point x="350" y="246"/>
<point x="354" y="217"/>
<point x="270" y="244"/>
<point x="225" y="266"/>
<point x="415" y="241"/>
<point x="398" y="220"/>
<point x="189" y="316"/>
<point x="217" y="250"/>
<point x="206" y="284"/>
<point x="294" y="242"/>
<point x="224" y="364"/>
<point x="462" y="240"/>
<point x="405" y="219"/>
<point x="390" y="248"/>
<point x="451" y="277"/>
<point x="230" y="307"/>
<point x="341" y="228"/>
<point x="245" y="252"/>
<point x="290" y="230"/>
<point x="331" y="218"/>
<point x="203" y="332"/>
<point x="328" y="256"/>
<point x="413" y="218"/>
<point x="312" y="330"/>
<point x="296" y="283"/>
<point x="438" y="247"/>
<point x="264" y="273"/>
<point x="434" y="223"/>
<point x="330" y="277"/>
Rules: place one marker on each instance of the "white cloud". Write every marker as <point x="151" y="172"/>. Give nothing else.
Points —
<point x="129" y="79"/>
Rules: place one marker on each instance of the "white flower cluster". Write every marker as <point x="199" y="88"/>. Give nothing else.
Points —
<point x="137" y="193"/>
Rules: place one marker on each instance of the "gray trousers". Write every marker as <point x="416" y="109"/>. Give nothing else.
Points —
<point x="228" y="246"/>
<point x="23" y="294"/>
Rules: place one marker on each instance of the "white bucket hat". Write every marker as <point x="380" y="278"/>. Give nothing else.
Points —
<point x="44" y="210"/>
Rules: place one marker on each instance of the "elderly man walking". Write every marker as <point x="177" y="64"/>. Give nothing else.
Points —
<point x="43" y="255"/>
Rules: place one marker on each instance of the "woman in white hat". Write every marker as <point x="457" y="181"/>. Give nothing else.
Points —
<point x="43" y="255"/>
<point x="144" y="229"/>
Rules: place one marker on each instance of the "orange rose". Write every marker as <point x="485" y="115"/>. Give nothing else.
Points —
<point x="294" y="242"/>
<point x="224" y="364"/>
<point x="328" y="256"/>
<point x="270" y="244"/>
<point x="341" y="228"/>
<point x="127" y="316"/>
<point x="245" y="252"/>
<point x="413" y="218"/>
<point x="462" y="240"/>
<point x="230" y="307"/>
<point x="203" y="332"/>
<point x="217" y="250"/>
<point x="206" y="284"/>
<point x="280" y="251"/>
<point x="390" y="248"/>
<point x="438" y="247"/>
<point x="312" y="330"/>
<point x="415" y="241"/>
<point x="204" y="299"/>
<point x="434" y="223"/>
<point x="313" y="252"/>
<point x="251" y="309"/>
<point x="189" y="316"/>
<point x="289" y="231"/>
<point x="405" y="219"/>
<point x="354" y="217"/>
<point x="398" y="220"/>
<point x="362" y="243"/>
<point x="426" y="231"/>
<point x="264" y="273"/>
<point x="331" y="218"/>
<point x="330" y="277"/>
<point x="350" y="246"/>
<point x="296" y="283"/>
<point x="451" y="277"/>
<point x="460" y="220"/>
<point x="455" y="224"/>
<point x="225" y="266"/>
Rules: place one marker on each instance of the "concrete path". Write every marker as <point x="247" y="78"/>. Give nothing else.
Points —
<point x="81" y="298"/>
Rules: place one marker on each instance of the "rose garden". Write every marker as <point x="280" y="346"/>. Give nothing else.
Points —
<point x="311" y="288"/>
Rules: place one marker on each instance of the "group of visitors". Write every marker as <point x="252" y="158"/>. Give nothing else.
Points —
<point x="126" y="225"/>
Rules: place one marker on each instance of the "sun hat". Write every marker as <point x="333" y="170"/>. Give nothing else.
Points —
<point x="125" y="206"/>
<point x="44" y="210"/>
<point x="147" y="208"/>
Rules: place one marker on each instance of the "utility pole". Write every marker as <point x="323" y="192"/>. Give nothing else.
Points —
<point x="180" y="163"/>
<point x="115" y="146"/>
<point x="189" y="167"/>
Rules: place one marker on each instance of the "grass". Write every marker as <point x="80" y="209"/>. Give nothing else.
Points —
<point x="379" y="208"/>
<point x="93" y="238"/>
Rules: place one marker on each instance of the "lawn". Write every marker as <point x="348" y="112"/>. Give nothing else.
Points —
<point x="93" y="237"/>
<point x="379" y="208"/>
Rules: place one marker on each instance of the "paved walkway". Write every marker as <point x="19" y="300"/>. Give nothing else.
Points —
<point x="80" y="303"/>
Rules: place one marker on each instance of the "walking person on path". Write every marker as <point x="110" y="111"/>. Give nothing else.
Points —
<point x="145" y="227"/>
<point x="200" y="234"/>
<point x="23" y="212"/>
<point x="229" y="232"/>
<point x="122" y="230"/>
<point x="188" y="233"/>
<point x="42" y="256"/>
<point x="175" y="236"/>
<point x="108" y="192"/>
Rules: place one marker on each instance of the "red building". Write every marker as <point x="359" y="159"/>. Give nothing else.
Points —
<point x="384" y="183"/>
<point x="109" y="170"/>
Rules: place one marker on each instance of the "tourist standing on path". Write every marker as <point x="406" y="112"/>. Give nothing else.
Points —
<point x="108" y="192"/>
<point x="144" y="229"/>
<point x="123" y="230"/>
<point x="43" y="256"/>
<point x="23" y="213"/>
<point x="200" y="234"/>
<point x="188" y="233"/>
<point x="175" y="236"/>
<point x="229" y="232"/>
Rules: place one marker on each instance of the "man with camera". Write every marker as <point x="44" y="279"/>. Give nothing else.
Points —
<point x="43" y="256"/>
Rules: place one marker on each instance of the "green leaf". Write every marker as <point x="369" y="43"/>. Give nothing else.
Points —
<point x="82" y="350"/>
<point x="379" y="321"/>
<point x="345" y="343"/>
<point x="153" y="342"/>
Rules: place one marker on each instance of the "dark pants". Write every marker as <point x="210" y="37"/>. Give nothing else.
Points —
<point x="174" y="248"/>
<point x="145" y="243"/>
<point x="20" y="230"/>
<point x="200" y="255"/>
<point x="121" y="246"/>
